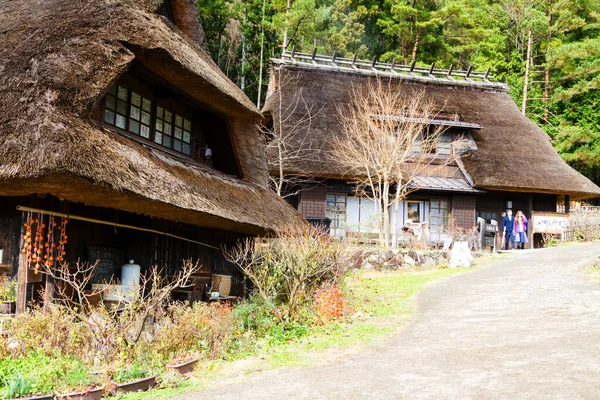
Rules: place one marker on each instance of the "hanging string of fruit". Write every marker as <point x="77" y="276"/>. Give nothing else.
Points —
<point x="41" y="249"/>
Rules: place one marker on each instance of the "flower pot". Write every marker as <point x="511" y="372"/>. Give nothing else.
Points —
<point x="138" y="385"/>
<point x="184" y="368"/>
<point x="8" y="307"/>
<point x="92" y="394"/>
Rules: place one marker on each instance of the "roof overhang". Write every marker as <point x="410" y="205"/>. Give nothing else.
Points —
<point x="445" y="184"/>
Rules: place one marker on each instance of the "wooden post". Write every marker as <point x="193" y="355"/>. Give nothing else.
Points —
<point x="22" y="271"/>
<point x="531" y="212"/>
<point x="567" y="205"/>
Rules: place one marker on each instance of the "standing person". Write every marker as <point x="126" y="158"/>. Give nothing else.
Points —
<point x="520" y="229"/>
<point x="508" y="224"/>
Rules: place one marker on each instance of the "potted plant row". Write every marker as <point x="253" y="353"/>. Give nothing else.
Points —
<point x="184" y="365"/>
<point x="89" y="393"/>
<point x="23" y="389"/>
<point x="132" y="379"/>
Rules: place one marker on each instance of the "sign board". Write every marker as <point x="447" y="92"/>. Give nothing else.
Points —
<point x="549" y="222"/>
<point x="110" y="259"/>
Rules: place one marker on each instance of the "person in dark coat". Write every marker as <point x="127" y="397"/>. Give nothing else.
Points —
<point x="508" y="224"/>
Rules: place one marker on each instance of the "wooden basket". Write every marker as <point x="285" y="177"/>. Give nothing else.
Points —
<point x="221" y="284"/>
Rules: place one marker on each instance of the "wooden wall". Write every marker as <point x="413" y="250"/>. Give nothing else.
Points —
<point x="89" y="241"/>
<point x="463" y="211"/>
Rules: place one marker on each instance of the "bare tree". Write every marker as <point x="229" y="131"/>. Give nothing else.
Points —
<point x="126" y="323"/>
<point x="291" y="146"/>
<point x="387" y="139"/>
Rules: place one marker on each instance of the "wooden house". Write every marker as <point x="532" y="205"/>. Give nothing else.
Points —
<point x="503" y="159"/>
<point x="115" y="117"/>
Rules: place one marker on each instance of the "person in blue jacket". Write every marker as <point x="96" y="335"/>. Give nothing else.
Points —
<point x="508" y="224"/>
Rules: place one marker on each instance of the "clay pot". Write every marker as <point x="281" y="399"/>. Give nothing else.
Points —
<point x="138" y="385"/>
<point x="184" y="368"/>
<point x="42" y="397"/>
<point x="92" y="394"/>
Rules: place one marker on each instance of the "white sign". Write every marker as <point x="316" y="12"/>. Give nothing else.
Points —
<point x="550" y="224"/>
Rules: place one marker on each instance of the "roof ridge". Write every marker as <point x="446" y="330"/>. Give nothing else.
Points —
<point x="451" y="76"/>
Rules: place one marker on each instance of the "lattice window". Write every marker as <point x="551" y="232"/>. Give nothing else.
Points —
<point x="439" y="215"/>
<point x="336" y="212"/>
<point x="128" y="110"/>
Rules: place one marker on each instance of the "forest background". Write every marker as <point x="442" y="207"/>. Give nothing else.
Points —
<point x="548" y="51"/>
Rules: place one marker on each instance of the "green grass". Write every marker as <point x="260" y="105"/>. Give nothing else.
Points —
<point x="382" y="304"/>
<point x="592" y="273"/>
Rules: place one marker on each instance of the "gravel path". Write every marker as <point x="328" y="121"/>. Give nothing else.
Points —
<point x="524" y="328"/>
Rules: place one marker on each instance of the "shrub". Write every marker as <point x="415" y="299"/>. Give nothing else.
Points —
<point x="53" y="332"/>
<point x="255" y="316"/>
<point x="130" y="373"/>
<point x="8" y="289"/>
<point x="204" y="328"/>
<point x="17" y="387"/>
<point x="289" y="268"/>
<point x="37" y="373"/>
<point x="550" y="240"/>
<point x="330" y="303"/>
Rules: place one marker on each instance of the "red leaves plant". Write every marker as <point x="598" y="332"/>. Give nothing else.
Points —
<point x="330" y="303"/>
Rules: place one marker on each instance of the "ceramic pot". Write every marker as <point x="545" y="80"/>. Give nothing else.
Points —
<point x="138" y="385"/>
<point x="42" y="397"/>
<point x="184" y="368"/>
<point x="92" y="394"/>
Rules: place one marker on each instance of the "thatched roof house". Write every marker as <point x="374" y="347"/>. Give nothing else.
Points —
<point x="114" y="112"/>
<point x="491" y="164"/>
<point x="487" y="176"/>
<point x="58" y="61"/>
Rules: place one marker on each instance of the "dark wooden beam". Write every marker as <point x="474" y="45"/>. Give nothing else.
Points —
<point x="22" y="272"/>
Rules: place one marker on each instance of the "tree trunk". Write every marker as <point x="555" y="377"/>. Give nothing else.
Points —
<point x="527" y="63"/>
<point x="395" y="219"/>
<point x="547" y="68"/>
<point x="285" y="29"/>
<point x="386" y="214"/>
<point x="262" y="47"/>
<point x="243" y="80"/>
<point x="416" y="46"/>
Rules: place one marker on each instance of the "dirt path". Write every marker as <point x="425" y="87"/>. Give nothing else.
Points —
<point x="528" y="327"/>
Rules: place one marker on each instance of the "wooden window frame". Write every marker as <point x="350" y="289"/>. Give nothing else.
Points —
<point x="445" y="226"/>
<point x="334" y="228"/>
<point x="421" y="211"/>
<point x="145" y="91"/>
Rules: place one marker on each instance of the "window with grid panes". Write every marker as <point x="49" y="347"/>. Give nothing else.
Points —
<point x="128" y="110"/>
<point x="439" y="214"/>
<point x="336" y="212"/>
<point x="444" y="144"/>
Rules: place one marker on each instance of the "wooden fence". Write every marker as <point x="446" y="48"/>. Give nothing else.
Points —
<point x="584" y="224"/>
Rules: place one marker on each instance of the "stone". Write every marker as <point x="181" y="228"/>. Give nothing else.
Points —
<point x="386" y="255"/>
<point x="367" y="267"/>
<point x="409" y="260"/>
<point x="358" y="259"/>
<point x="373" y="258"/>
<point x="461" y="255"/>
<point x="430" y="261"/>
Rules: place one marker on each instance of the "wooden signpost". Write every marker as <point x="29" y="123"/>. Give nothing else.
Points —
<point x="549" y="223"/>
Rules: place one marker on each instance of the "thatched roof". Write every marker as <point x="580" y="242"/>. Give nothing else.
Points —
<point x="57" y="60"/>
<point x="491" y="164"/>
